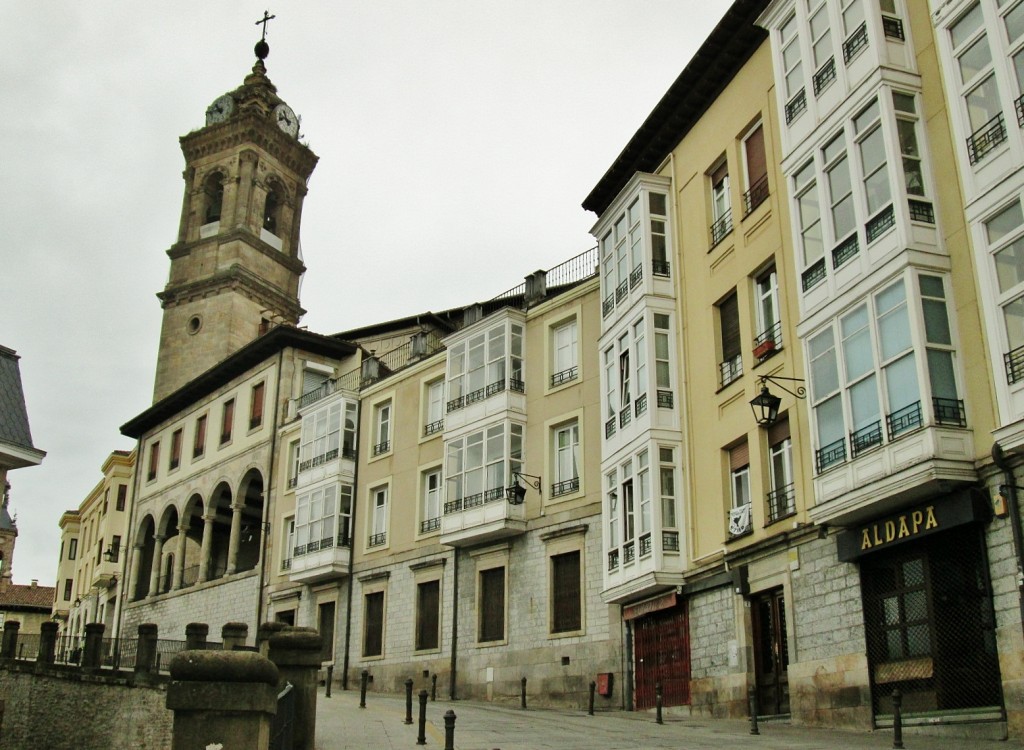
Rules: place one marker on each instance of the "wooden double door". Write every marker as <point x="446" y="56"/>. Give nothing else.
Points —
<point x="661" y="644"/>
<point x="771" y="654"/>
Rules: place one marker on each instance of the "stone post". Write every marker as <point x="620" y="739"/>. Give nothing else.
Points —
<point x="195" y="636"/>
<point x="145" y="652"/>
<point x="297" y="654"/>
<point x="9" y="647"/>
<point x="47" y="642"/>
<point x="264" y="633"/>
<point x="222" y="699"/>
<point x="234" y="635"/>
<point x="93" y="655"/>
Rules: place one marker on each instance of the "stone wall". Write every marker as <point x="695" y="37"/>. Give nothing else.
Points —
<point x="718" y="682"/>
<point x="61" y="707"/>
<point x="1006" y="603"/>
<point x="828" y="668"/>
<point x="558" y="668"/>
<point x="231" y="599"/>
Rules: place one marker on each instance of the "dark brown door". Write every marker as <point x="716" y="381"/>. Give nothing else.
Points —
<point x="771" y="656"/>
<point x="662" y="654"/>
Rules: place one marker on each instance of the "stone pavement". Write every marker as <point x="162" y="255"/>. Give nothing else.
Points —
<point x="342" y="725"/>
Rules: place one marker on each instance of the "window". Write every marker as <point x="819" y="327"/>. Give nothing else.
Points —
<point x="756" y="165"/>
<point x="491" y="591"/>
<point x="67" y="589"/>
<point x="792" y="69"/>
<point x="867" y="366"/>
<point x="227" y="420"/>
<point x="739" y="482"/>
<point x="977" y="84"/>
<point x="612" y="495"/>
<point x="99" y="551"/>
<point x="154" y="458"/>
<point x="322" y="519"/>
<point x="643" y="481"/>
<point x="910" y="154"/>
<point x="808" y="212"/>
<point x="115" y="549"/>
<point x="434" y="418"/>
<point x="294" y="459"/>
<point x="325" y="624"/>
<point x="72" y="549"/>
<point x="625" y="399"/>
<point x="840" y="199"/>
<point x="821" y="48"/>
<point x="256" y="406"/>
<point x="871" y="148"/>
<point x="721" y="211"/>
<point x="382" y="428"/>
<point x="662" y="361"/>
<point x="656" y="206"/>
<point x="321" y="435"/>
<point x="430" y="516"/>
<point x="373" y="625"/>
<point x="623" y="244"/>
<point x="106" y="498"/>
<point x="175" y="457"/>
<point x="854" y="29"/>
<point x="628" y="511"/>
<point x="287" y="543"/>
<point x="213" y="197"/>
<point x="479" y="466"/>
<point x="1004" y="235"/>
<point x="122" y="496"/>
<point x="769" y="337"/>
<point x="199" y="442"/>
<point x="781" y="497"/>
<point x="566" y="604"/>
<point x="489" y="362"/>
<point x="730" y="366"/>
<point x="667" y="489"/>
<point x="566" y="459"/>
<point x="271" y="212"/>
<point x="564" y="341"/>
<point x="378" y="517"/>
<point x="428" y="610"/>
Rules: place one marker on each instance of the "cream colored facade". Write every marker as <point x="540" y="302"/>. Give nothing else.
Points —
<point x="97" y="531"/>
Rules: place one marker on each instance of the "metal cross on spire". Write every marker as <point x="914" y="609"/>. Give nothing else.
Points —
<point x="263" y="21"/>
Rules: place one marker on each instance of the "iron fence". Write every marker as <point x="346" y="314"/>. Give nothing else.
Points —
<point x="283" y="723"/>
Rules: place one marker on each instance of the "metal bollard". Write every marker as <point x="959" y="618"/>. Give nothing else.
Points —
<point x="657" y="703"/>
<point x="421" y="738"/>
<point x="362" y="688"/>
<point x="593" y="689"/>
<point x="752" y="699"/>
<point x="897" y="719"/>
<point x="522" y="694"/>
<point x="433" y="687"/>
<point x="408" y="701"/>
<point x="449" y="730"/>
<point x="330" y="678"/>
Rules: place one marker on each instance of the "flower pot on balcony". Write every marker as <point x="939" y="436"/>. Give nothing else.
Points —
<point x="765" y="348"/>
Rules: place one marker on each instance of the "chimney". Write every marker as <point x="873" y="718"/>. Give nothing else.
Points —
<point x="35" y="582"/>
<point x="536" y="287"/>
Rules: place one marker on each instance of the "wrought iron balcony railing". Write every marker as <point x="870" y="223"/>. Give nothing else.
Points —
<point x="721" y="228"/>
<point x="565" y="487"/>
<point x="855" y="43"/>
<point x="796" y="106"/>
<point x="1014" y="362"/>
<point x="781" y="502"/>
<point x="824" y="76"/>
<point x="730" y="370"/>
<point x="433" y="427"/>
<point x="813" y="274"/>
<point x="983" y="140"/>
<point x="665" y="399"/>
<point x="430" y="524"/>
<point x="768" y="342"/>
<point x="670" y="541"/>
<point x="660" y="267"/>
<point x="949" y="412"/>
<point x="640" y="404"/>
<point x="609" y="427"/>
<point x="904" y="420"/>
<point x="565" y="376"/>
<point x="376" y="540"/>
<point x="892" y="28"/>
<point x="830" y="455"/>
<point x="865" y="438"/>
<point x="755" y="196"/>
<point x="922" y="211"/>
<point x="636" y="275"/>
<point x="845" y="250"/>
<point x="879" y="223"/>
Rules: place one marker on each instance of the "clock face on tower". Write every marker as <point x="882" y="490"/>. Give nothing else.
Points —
<point x="220" y="110"/>
<point x="286" y="120"/>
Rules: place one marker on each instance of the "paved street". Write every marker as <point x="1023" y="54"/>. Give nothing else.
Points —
<point x="341" y="724"/>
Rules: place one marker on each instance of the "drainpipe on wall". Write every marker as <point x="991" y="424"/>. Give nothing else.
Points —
<point x="1000" y="460"/>
<point x="351" y="551"/>
<point x="267" y="494"/>
<point x="455" y="622"/>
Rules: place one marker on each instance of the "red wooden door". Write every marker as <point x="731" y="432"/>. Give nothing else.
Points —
<point x="661" y="644"/>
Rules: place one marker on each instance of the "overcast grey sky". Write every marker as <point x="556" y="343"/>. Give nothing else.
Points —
<point x="456" y="138"/>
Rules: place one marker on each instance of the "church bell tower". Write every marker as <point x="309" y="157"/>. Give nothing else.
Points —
<point x="235" y="268"/>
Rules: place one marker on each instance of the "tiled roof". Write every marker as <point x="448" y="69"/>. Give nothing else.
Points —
<point x="27" y="596"/>
<point x="13" y="416"/>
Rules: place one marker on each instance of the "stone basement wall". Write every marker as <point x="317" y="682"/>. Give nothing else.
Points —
<point x="717" y="688"/>
<point x="493" y="673"/>
<point x="63" y="708"/>
<point x="225" y="600"/>
<point x="1006" y="603"/>
<point x="828" y="665"/>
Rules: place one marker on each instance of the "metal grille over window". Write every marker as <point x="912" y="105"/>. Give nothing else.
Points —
<point x="930" y="625"/>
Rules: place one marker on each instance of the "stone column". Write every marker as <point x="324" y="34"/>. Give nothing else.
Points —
<point x="158" y="561"/>
<point x="204" y="555"/>
<point x="195" y="636"/>
<point x="47" y="642"/>
<point x="233" y="635"/>
<point x="93" y="655"/>
<point x="9" y="647"/>
<point x="236" y="533"/>
<point x="136" y="568"/>
<point x="145" y="654"/>
<point x="179" y="559"/>
<point x="296" y="652"/>
<point x="222" y="699"/>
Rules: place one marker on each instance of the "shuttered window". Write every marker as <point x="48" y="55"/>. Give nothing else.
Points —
<point x="492" y="605"/>
<point x="256" y="406"/>
<point x="373" y="628"/>
<point x="428" y="596"/>
<point x="729" y="322"/>
<point x="565" y="593"/>
<point x="757" y="165"/>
